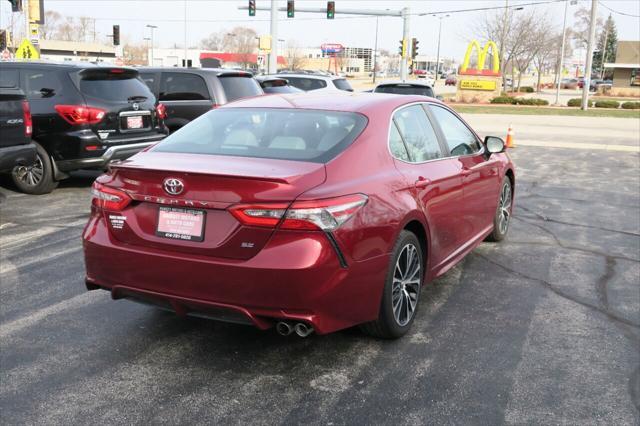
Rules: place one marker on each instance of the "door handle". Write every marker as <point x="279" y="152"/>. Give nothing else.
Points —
<point x="422" y="182"/>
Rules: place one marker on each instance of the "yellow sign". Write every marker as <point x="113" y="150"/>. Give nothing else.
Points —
<point x="482" y="57"/>
<point x="478" y="84"/>
<point x="36" y="11"/>
<point x="27" y="51"/>
<point x="34" y="30"/>
<point x="264" y="43"/>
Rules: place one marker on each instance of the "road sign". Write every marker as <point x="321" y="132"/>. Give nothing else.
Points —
<point x="264" y="43"/>
<point x="34" y="33"/>
<point x="27" y="51"/>
<point x="6" y="55"/>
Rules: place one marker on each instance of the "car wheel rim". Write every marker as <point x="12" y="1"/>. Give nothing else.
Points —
<point x="504" y="213"/>
<point x="30" y="175"/>
<point x="406" y="285"/>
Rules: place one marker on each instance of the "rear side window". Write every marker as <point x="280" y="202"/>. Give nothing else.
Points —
<point x="396" y="145"/>
<point x="459" y="138"/>
<point x="343" y="84"/>
<point x="114" y="87"/>
<point x="178" y="86"/>
<point x="236" y="87"/>
<point x="8" y="77"/>
<point x="417" y="134"/>
<point x="283" y="134"/>
<point x="307" y="84"/>
<point x="41" y="84"/>
<point x="405" y="89"/>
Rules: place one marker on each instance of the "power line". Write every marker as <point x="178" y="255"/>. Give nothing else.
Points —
<point x="615" y="11"/>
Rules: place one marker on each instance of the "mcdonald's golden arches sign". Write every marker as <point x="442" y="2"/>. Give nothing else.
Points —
<point x="482" y="57"/>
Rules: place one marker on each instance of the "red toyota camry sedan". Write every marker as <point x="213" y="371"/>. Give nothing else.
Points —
<point x="303" y="212"/>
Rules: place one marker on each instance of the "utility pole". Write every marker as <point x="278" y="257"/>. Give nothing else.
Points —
<point x="561" y="61"/>
<point x="152" y="27"/>
<point x="587" y="71"/>
<point x="273" y="53"/>
<point x="604" y="49"/>
<point x="375" y="53"/>
<point x="404" y="62"/>
<point x="440" y="18"/>
<point x="185" y="34"/>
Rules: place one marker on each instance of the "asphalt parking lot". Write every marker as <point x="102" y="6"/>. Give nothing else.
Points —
<point x="543" y="328"/>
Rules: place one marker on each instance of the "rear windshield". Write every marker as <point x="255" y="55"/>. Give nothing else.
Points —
<point x="114" y="87"/>
<point x="405" y="89"/>
<point x="283" y="134"/>
<point x="307" y="84"/>
<point x="343" y="84"/>
<point x="239" y="87"/>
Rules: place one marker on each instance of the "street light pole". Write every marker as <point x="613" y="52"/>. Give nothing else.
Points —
<point x="561" y="62"/>
<point x="185" y="33"/>
<point x="152" y="27"/>
<point x="587" y="71"/>
<point x="273" y="54"/>
<point x="404" y="62"/>
<point x="438" y="54"/>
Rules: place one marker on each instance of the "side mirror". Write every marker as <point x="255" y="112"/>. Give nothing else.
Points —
<point x="494" y="144"/>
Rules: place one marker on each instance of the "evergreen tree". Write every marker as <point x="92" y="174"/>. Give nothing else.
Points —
<point x="608" y="35"/>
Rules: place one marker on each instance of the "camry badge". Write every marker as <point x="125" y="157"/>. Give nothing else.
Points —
<point x="173" y="186"/>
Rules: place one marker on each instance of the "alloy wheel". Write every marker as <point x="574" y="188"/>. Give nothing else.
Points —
<point x="406" y="285"/>
<point x="30" y="175"/>
<point x="504" y="208"/>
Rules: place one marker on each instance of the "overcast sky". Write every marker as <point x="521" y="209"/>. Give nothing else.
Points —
<point x="206" y="16"/>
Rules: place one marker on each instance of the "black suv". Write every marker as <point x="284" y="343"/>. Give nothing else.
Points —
<point x="84" y="116"/>
<point x="16" y="149"/>
<point x="188" y="93"/>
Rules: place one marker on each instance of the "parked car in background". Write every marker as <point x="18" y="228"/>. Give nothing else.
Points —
<point x="187" y="93"/>
<point x="411" y="87"/>
<point x="451" y="80"/>
<point x="596" y="84"/>
<point x="272" y="85"/>
<point x="84" y="116"/>
<point x="314" y="82"/>
<point x="307" y="213"/>
<point x="569" y="83"/>
<point x="17" y="152"/>
<point x="425" y="75"/>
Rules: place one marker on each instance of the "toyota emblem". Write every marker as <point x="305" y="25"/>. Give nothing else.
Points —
<point x="173" y="186"/>
<point x="135" y="106"/>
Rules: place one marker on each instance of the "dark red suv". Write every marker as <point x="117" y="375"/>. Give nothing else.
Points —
<point x="307" y="212"/>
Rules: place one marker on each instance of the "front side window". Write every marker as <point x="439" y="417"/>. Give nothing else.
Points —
<point x="177" y="86"/>
<point x="418" y="134"/>
<point x="459" y="138"/>
<point x="283" y="134"/>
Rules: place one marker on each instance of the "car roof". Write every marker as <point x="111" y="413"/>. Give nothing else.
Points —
<point x="62" y="65"/>
<point x="404" y="82"/>
<point x="203" y="71"/>
<point x="365" y="103"/>
<point x="302" y="75"/>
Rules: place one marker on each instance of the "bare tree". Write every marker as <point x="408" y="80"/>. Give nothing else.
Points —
<point x="67" y="29"/>
<point x="83" y="28"/>
<point x="241" y="40"/>
<point x="293" y="54"/>
<point x="580" y="30"/>
<point x="51" y="21"/>
<point x="213" y="42"/>
<point x="545" y="55"/>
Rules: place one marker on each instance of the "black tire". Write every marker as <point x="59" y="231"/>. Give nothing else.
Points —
<point x="501" y="228"/>
<point x="387" y="326"/>
<point x="36" y="179"/>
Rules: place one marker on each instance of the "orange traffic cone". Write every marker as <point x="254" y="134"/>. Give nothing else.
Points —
<point x="510" y="142"/>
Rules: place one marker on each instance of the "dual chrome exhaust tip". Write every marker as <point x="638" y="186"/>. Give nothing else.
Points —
<point x="285" y="328"/>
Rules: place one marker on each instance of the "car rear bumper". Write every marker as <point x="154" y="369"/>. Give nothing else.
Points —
<point x="122" y="151"/>
<point x="296" y="276"/>
<point x="17" y="155"/>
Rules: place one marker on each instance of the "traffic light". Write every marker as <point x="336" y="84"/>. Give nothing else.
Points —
<point x="331" y="9"/>
<point x="414" y="47"/>
<point x="402" y="50"/>
<point x="290" y="9"/>
<point x="16" y="5"/>
<point x="3" y="39"/>
<point x="116" y="35"/>
<point x="252" y="7"/>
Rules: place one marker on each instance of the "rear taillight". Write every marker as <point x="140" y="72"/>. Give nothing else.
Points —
<point x="80" y="114"/>
<point x="107" y="198"/>
<point x="161" y="111"/>
<point x="28" y="121"/>
<point x="326" y="214"/>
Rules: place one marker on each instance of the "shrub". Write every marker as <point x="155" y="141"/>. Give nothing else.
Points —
<point x="526" y="89"/>
<point x="607" y="104"/>
<point x="503" y="100"/>
<point x="576" y="102"/>
<point x="631" y="105"/>
<point x="532" y="101"/>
